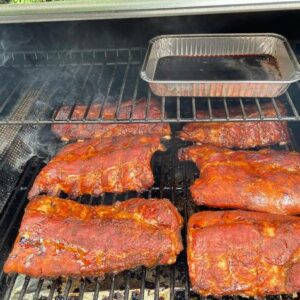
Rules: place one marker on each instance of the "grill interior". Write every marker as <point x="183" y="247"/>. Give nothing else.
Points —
<point x="36" y="85"/>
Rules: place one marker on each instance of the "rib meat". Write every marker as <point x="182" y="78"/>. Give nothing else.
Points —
<point x="97" y="166"/>
<point x="265" y="180"/>
<point x="84" y="131"/>
<point x="239" y="134"/>
<point x="61" y="237"/>
<point x="243" y="253"/>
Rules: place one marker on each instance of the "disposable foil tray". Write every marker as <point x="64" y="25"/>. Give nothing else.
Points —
<point x="220" y="65"/>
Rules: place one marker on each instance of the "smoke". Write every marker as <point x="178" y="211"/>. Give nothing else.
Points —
<point x="54" y="73"/>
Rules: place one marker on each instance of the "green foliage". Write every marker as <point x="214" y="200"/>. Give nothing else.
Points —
<point x="30" y="1"/>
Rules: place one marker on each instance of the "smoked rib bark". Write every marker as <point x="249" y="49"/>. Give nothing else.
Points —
<point x="241" y="135"/>
<point x="60" y="237"/>
<point x="243" y="253"/>
<point x="126" y="111"/>
<point x="97" y="166"/>
<point x="265" y="180"/>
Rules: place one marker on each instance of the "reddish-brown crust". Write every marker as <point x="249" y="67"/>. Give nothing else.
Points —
<point x="84" y="131"/>
<point x="97" y="166"/>
<point x="241" y="135"/>
<point x="61" y="237"/>
<point x="243" y="253"/>
<point x="265" y="180"/>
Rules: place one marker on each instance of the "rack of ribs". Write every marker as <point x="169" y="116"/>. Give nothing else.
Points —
<point x="97" y="166"/>
<point x="265" y="180"/>
<point x="241" y="135"/>
<point x="83" y="131"/>
<point x="243" y="253"/>
<point x="60" y="237"/>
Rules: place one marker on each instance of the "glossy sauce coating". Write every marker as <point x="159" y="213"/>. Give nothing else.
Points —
<point x="243" y="253"/>
<point x="97" y="166"/>
<point x="126" y="111"/>
<point x="60" y="237"/>
<point x="241" y="135"/>
<point x="265" y="180"/>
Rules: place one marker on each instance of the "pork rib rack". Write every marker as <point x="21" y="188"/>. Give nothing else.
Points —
<point x="265" y="180"/>
<point x="97" y="166"/>
<point x="243" y="253"/>
<point x="126" y="111"/>
<point x="60" y="237"/>
<point x="241" y="135"/>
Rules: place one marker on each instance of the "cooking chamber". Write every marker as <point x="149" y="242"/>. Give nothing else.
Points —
<point x="45" y="66"/>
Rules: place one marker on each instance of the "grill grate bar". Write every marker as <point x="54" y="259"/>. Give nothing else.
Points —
<point x="52" y="290"/>
<point x="209" y="109"/>
<point x="157" y="276"/>
<point x="148" y="106"/>
<point x="24" y="287"/>
<point x="173" y="199"/>
<point x="226" y="108"/>
<point x="112" y="288"/>
<point x="292" y="105"/>
<point x="82" y="289"/>
<point x="122" y="88"/>
<point x="108" y="90"/>
<point x="97" y="289"/>
<point x="82" y="88"/>
<point x="91" y="100"/>
<point x="133" y="101"/>
<point x="163" y="103"/>
<point x="276" y="108"/>
<point x="73" y="106"/>
<point x="71" y="111"/>
<point x="127" y="287"/>
<point x="178" y="109"/>
<point x="143" y="282"/>
<point x="172" y="282"/>
<point x="10" y="286"/>
<point x="194" y="109"/>
<point x="67" y="289"/>
<point x="36" y="295"/>
<point x="261" y="114"/>
<point x="188" y="200"/>
<point x="243" y="109"/>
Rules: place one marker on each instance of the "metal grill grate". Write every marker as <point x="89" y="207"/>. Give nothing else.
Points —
<point x="103" y="76"/>
<point x="161" y="283"/>
<point x="110" y="75"/>
<point x="164" y="281"/>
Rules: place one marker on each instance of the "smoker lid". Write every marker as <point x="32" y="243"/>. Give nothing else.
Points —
<point x="15" y="11"/>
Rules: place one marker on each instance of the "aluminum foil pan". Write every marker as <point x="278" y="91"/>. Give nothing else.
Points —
<point x="220" y="65"/>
